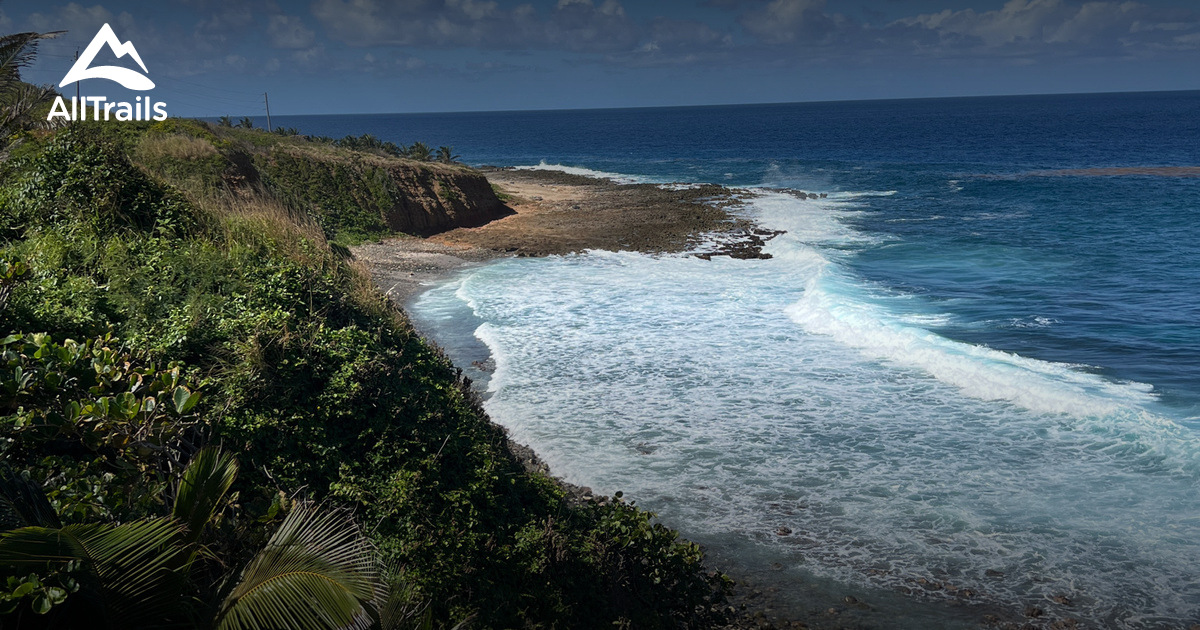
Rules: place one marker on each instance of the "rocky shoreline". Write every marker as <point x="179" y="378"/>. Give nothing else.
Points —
<point x="555" y="213"/>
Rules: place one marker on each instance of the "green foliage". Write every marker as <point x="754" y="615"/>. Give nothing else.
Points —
<point x="342" y="196"/>
<point x="41" y="594"/>
<point x="225" y="121"/>
<point x="81" y="180"/>
<point x="98" y="421"/>
<point x="19" y="100"/>
<point x="316" y="572"/>
<point x="129" y="573"/>
<point x="201" y="491"/>
<point x="420" y="152"/>
<point x="246" y="122"/>
<point x="307" y="373"/>
<point x="446" y="155"/>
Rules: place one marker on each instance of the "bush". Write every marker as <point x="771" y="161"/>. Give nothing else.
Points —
<point x="316" y="382"/>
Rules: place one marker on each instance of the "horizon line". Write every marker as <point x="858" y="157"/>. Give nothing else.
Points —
<point x="743" y="104"/>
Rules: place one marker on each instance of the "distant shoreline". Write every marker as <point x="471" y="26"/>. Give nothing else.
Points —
<point x="555" y="213"/>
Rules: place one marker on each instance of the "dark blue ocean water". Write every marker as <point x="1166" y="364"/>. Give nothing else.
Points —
<point x="1099" y="271"/>
<point x="964" y="365"/>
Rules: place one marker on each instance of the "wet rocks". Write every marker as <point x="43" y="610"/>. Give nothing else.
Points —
<point x="488" y="365"/>
<point x="744" y="246"/>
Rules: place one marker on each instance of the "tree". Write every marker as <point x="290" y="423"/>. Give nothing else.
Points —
<point x="246" y="122"/>
<point x="225" y="121"/>
<point x="419" y="151"/>
<point x="317" y="571"/>
<point x="446" y="155"/>
<point x="18" y="99"/>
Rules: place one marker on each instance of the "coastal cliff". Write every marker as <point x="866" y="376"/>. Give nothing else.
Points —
<point x="352" y="194"/>
<point x="370" y="192"/>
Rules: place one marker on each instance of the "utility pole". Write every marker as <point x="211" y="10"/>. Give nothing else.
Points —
<point x="267" y="102"/>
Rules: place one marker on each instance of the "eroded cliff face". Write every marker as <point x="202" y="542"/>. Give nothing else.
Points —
<point x="436" y="198"/>
<point x="348" y="190"/>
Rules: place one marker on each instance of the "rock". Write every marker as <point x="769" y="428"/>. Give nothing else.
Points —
<point x="850" y="599"/>
<point x="824" y="195"/>
<point x="782" y="531"/>
<point x="1033" y="612"/>
<point x="993" y="573"/>
<point x="536" y="198"/>
<point x="1061" y="599"/>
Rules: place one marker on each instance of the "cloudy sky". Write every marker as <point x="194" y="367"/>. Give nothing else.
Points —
<point x="213" y="57"/>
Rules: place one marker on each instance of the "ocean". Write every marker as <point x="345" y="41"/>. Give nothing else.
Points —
<point x="968" y="377"/>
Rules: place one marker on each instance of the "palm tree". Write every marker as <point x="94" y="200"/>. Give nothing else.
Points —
<point x="225" y="121"/>
<point x="246" y="122"/>
<point x="419" y="151"/>
<point x="446" y="155"/>
<point x="316" y="572"/>
<point x="18" y="99"/>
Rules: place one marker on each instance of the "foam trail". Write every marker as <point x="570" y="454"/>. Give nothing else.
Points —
<point x="838" y="305"/>
<point x="585" y="172"/>
<point x="735" y="397"/>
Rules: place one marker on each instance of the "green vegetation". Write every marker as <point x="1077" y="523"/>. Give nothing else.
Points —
<point x="20" y="102"/>
<point x="170" y="288"/>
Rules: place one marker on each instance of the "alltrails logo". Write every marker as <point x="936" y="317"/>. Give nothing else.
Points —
<point x="102" y="108"/>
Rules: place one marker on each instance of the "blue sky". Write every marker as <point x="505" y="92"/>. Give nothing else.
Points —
<point x="213" y="57"/>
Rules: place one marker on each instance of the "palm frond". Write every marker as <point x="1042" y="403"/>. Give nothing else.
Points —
<point x="17" y="51"/>
<point x="202" y="489"/>
<point x="318" y="571"/>
<point x="135" y="570"/>
<point x="23" y="504"/>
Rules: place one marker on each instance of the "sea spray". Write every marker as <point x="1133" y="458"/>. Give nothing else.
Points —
<point x="737" y="398"/>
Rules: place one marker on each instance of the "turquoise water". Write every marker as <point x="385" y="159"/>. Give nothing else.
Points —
<point x="960" y="367"/>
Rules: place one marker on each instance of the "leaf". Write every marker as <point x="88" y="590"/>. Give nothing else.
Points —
<point x="24" y="589"/>
<point x="317" y="572"/>
<point x="56" y="595"/>
<point x="202" y="489"/>
<point x="184" y="400"/>
<point x="135" y="570"/>
<point x="42" y="604"/>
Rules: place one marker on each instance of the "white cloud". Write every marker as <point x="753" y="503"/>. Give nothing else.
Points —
<point x="571" y="25"/>
<point x="1039" y="25"/>
<point x="784" y="21"/>
<point x="287" y="31"/>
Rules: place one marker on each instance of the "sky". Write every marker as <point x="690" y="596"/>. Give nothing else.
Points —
<point x="216" y="57"/>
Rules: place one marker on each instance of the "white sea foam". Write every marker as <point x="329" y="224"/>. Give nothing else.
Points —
<point x="737" y="396"/>
<point x="586" y="172"/>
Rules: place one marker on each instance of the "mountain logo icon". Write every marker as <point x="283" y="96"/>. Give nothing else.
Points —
<point x="130" y="79"/>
